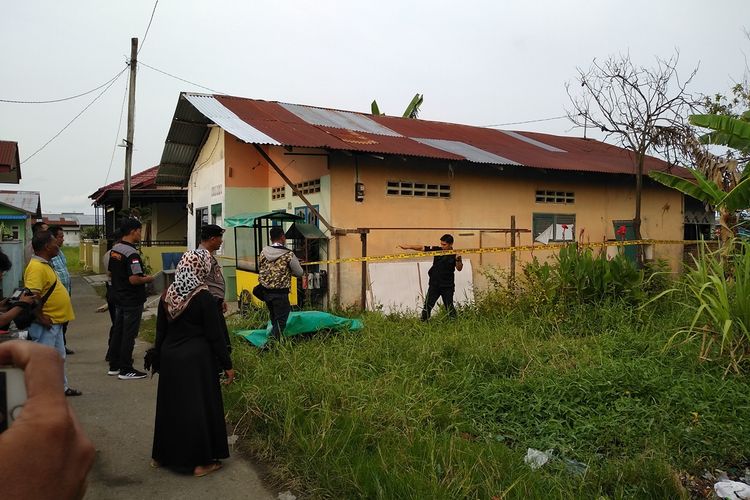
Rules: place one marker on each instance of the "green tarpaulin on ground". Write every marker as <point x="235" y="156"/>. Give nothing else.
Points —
<point x="302" y="322"/>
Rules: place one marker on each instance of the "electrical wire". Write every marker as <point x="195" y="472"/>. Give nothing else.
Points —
<point x="178" y="78"/>
<point x="526" y="121"/>
<point x="117" y="135"/>
<point x="70" y="122"/>
<point x="143" y="42"/>
<point x="50" y="101"/>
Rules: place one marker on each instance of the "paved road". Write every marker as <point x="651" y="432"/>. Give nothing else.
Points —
<point x="118" y="416"/>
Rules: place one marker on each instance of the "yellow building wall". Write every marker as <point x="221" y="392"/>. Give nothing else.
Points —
<point x="483" y="197"/>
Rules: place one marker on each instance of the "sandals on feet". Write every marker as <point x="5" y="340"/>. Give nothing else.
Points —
<point x="204" y="470"/>
<point x="72" y="392"/>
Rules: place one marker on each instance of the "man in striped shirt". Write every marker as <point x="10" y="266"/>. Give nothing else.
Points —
<point x="60" y="264"/>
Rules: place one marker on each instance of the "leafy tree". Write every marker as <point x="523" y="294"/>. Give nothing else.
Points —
<point x="639" y="107"/>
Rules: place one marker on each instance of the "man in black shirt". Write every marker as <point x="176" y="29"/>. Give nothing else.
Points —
<point x="128" y="294"/>
<point x="442" y="280"/>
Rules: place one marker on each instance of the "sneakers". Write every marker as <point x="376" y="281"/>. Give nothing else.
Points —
<point x="131" y="374"/>
<point x="114" y="372"/>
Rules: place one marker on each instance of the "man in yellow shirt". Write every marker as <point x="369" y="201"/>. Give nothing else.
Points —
<point x="39" y="277"/>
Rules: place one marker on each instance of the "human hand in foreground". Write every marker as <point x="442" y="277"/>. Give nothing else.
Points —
<point x="44" y="453"/>
<point x="229" y="374"/>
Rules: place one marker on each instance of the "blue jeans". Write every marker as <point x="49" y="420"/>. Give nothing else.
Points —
<point x="52" y="337"/>
<point x="124" y="332"/>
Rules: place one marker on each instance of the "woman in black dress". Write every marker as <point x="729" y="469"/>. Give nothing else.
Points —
<point x="190" y="432"/>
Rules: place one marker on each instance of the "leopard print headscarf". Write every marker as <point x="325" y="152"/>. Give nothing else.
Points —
<point x="189" y="279"/>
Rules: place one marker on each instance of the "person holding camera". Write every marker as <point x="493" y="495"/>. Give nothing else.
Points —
<point x="57" y="309"/>
<point x="11" y="307"/>
<point x="44" y="453"/>
<point x="442" y="280"/>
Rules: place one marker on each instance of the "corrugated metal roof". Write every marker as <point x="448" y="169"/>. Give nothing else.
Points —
<point x="140" y="181"/>
<point x="223" y="117"/>
<point x="8" y="153"/>
<point x="540" y="144"/>
<point x="338" y="119"/>
<point x="467" y="151"/>
<point x="27" y="201"/>
<point x="264" y="122"/>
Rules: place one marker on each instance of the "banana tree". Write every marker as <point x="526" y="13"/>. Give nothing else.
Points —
<point x="733" y="132"/>
<point x="728" y="203"/>
<point x="412" y="110"/>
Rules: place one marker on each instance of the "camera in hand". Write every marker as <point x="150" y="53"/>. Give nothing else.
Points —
<point x="15" y="298"/>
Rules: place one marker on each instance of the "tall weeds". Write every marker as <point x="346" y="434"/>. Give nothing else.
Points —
<point x="718" y="287"/>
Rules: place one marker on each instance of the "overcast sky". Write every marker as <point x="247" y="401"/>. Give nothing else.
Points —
<point x="476" y="62"/>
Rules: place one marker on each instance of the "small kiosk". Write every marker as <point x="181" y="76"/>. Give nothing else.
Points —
<point x="251" y="234"/>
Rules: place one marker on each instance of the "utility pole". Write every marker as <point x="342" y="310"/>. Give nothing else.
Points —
<point x="131" y="123"/>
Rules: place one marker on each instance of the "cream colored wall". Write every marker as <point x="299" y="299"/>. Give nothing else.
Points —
<point x="484" y="197"/>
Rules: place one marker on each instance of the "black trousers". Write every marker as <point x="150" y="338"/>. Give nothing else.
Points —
<point x="278" y="309"/>
<point x="435" y="292"/>
<point x="124" y="332"/>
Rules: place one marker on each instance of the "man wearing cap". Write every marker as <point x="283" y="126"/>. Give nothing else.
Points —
<point x="129" y="295"/>
<point x="212" y="237"/>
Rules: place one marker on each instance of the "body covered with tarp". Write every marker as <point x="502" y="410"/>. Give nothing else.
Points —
<point x="302" y="322"/>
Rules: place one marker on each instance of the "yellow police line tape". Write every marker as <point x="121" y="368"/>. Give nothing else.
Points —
<point x="523" y="248"/>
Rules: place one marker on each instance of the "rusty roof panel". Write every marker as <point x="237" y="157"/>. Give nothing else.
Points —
<point x="8" y="153"/>
<point x="338" y="119"/>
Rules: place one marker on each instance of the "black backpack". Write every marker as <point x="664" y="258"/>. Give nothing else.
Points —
<point x="30" y="312"/>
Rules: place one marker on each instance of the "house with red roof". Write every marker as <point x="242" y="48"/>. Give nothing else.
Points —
<point x="371" y="182"/>
<point x="161" y="208"/>
<point x="10" y="163"/>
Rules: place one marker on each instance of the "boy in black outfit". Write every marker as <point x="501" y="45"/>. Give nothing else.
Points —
<point x="442" y="280"/>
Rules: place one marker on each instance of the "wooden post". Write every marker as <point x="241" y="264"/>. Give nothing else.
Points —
<point x="131" y="123"/>
<point x="363" y="297"/>
<point x="513" y="252"/>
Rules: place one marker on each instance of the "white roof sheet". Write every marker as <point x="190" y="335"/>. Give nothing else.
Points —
<point x="28" y="201"/>
<point x="534" y="142"/>
<point x="226" y="119"/>
<point x="468" y="151"/>
<point x="338" y="119"/>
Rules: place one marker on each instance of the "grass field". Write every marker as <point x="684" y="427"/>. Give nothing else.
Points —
<point x="448" y="409"/>
<point x="72" y="256"/>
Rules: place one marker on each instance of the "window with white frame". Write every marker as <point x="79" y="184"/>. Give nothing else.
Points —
<point x="417" y="189"/>
<point x="278" y="193"/>
<point x="308" y="187"/>
<point x="553" y="227"/>
<point x="543" y="196"/>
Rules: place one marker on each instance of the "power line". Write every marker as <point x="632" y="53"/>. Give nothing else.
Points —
<point x="50" y="101"/>
<point x="117" y="135"/>
<point x="143" y="42"/>
<point x="70" y="122"/>
<point x="526" y="121"/>
<point x="178" y="78"/>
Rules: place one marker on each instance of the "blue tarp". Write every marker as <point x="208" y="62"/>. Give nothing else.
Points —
<point x="302" y="322"/>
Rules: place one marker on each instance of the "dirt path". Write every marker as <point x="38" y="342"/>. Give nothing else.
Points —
<point x="118" y="416"/>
